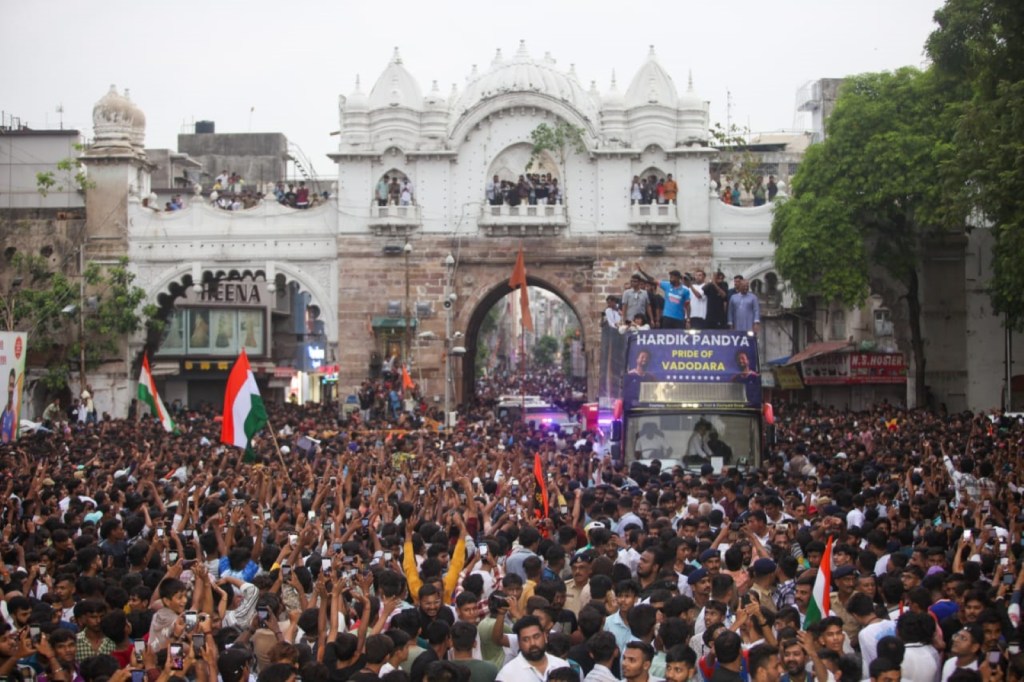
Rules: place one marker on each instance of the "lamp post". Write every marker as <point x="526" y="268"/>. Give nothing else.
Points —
<point x="407" y="249"/>
<point x="449" y="307"/>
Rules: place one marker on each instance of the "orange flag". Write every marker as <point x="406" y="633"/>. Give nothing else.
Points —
<point x="406" y="379"/>
<point x="518" y="281"/>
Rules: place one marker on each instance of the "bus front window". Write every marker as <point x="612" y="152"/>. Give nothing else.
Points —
<point x="694" y="439"/>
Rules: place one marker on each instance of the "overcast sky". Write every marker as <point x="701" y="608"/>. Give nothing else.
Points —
<point x="280" y="66"/>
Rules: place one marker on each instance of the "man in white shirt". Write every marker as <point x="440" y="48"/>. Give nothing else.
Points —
<point x="533" y="664"/>
<point x="966" y="648"/>
<point x="698" y="301"/>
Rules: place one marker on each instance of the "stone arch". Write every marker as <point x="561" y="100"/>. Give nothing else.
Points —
<point x="511" y="162"/>
<point x="475" y="115"/>
<point x="476" y="308"/>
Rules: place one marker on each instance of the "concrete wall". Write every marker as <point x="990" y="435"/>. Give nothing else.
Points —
<point x="23" y="154"/>
<point x="258" y="157"/>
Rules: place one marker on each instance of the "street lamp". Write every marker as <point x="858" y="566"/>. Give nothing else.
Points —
<point x="449" y="307"/>
<point x="407" y="250"/>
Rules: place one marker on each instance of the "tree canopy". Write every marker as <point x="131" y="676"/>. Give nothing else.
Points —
<point x="978" y="53"/>
<point x="867" y="199"/>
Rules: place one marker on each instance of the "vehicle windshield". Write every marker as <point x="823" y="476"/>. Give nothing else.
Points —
<point x="694" y="438"/>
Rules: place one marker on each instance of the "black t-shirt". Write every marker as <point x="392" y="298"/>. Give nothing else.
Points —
<point x="717" y="301"/>
<point x="345" y="674"/>
<point x="419" y="666"/>
<point x="364" y="676"/>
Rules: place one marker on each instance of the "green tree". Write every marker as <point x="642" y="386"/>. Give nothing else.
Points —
<point x="65" y="316"/>
<point x="544" y="351"/>
<point x="978" y="52"/>
<point x="736" y="159"/>
<point x="866" y="201"/>
<point x="559" y="140"/>
<point x="69" y="174"/>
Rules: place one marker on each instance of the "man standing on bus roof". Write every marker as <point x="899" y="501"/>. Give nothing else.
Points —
<point x="676" y="314"/>
<point x="744" y="309"/>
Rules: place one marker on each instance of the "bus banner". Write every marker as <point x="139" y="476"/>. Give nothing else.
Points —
<point x="690" y="359"/>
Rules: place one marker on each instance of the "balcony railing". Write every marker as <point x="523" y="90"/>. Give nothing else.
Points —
<point x="524" y="220"/>
<point x="392" y="220"/>
<point x="653" y="218"/>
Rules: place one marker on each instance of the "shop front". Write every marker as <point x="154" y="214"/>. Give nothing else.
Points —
<point x="855" y="380"/>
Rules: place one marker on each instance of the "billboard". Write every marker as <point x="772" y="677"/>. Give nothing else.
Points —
<point x="703" y="366"/>
<point x="13" y="346"/>
<point x="844" y="369"/>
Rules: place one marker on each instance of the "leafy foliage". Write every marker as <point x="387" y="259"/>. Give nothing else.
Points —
<point x="70" y="174"/>
<point x="48" y="304"/>
<point x="978" y="52"/>
<point x="544" y="351"/>
<point x="866" y="201"/>
<point x="737" y="159"/>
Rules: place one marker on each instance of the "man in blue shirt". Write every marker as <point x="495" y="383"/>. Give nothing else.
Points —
<point x="676" y="313"/>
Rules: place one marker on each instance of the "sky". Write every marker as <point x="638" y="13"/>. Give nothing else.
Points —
<point x="259" y="66"/>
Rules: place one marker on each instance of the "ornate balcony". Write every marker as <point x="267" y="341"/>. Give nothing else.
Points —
<point x="394" y="221"/>
<point x="524" y="220"/>
<point x="653" y="219"/>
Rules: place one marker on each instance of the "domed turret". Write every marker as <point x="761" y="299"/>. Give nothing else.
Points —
<point x="613" y="115"/>
<point x="524" y="74"/>
<point x="357" y="101"/>
<point x="396" y="88"/>
<point x="435" y="116"/>
<point x="651" y="85"/>
<point x="112" y="120"/>
<point x="692" y="116"/>
<point x="138" y="134"/>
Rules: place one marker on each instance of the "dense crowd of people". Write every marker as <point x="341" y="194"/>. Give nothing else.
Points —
<point x="529" y="189"/>
<point x="380" y="546"/>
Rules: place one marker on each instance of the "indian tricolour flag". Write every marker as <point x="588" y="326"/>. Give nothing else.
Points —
<point x="244" y="412"/>
<point x="820" y="603"/>
<point x="148" y="395"/>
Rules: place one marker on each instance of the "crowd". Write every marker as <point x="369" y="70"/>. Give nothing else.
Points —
<point x="681" y="301"/>
<point x="394" y="191"/>
<point x="377" y="546"/>
<point x="530" y="189"/>
<point x="759" y="194"/>
<point x="653" y="190"/>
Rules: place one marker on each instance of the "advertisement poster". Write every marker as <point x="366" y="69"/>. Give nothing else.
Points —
<point x="13" y="346"/>
<point x="687" y="357"/>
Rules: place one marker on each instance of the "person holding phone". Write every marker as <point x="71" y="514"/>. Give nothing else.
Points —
<point x="58" y="653"/>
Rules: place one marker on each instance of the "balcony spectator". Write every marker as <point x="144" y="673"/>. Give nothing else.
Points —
<point x="727" y="195"/>
<point x="222" y="179"/>
<point x="555" y="193"/>
<point x="636" y="190"/>
<point x="671" y="190"/>
<point x="302" y="196"/>
<point x="541" y="188"/>
<point x="523" y="189"/>
<point x="405" y="198"/>
<point x="394" y="191"/>
<point x="773" y="188"/>
<point x="279" y="192"/>
<point x="737" y="194"/>
<point x="382" y="191"/>
<point x="759" y="193"/>
<point x="494" y="193"/>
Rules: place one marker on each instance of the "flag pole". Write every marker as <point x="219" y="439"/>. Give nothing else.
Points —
<point x="273" y="434"/>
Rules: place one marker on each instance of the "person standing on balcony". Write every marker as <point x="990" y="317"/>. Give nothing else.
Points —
<point x="494" y="192"/>
<point x="382" y="191"/>
<point x="671" y="190"/>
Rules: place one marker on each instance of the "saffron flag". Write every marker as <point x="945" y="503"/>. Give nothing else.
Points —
<point x="147" y="394"/>
<point x="407" y="382"/>
<point x="518" y="281"/>
<point x="540" y="493"/>
<point x="244" y="412"/>
<point x="821" y="602"/>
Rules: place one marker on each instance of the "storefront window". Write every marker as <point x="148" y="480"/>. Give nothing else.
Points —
<point x="214" y="331"/>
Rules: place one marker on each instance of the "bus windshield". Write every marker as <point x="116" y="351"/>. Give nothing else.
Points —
<point x="694" y="438"/>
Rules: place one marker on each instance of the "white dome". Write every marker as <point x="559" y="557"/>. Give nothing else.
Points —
<point x="523" y="74"/>
<point x="651" y="85"/>
<point x="690" y="100"/>
<point x="434" y="99"/>
<point x="396" y="88"/>
<point x="357" y="100"/>
<point x="138" y="134"/>
<point x="113" y="117"/>
<point x="613" y="98"/>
